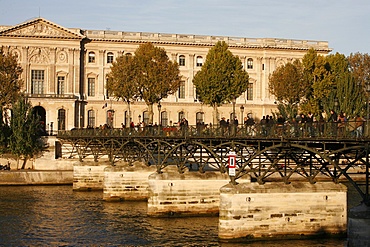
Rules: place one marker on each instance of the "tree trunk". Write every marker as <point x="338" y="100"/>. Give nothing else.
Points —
<point x="24" y="163"/>
<point x="215" y="115"/>
<point x="129" y="114"/>
<point x="150" y="112"/>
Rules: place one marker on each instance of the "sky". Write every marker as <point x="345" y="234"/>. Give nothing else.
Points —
<point x="345" y="24"/>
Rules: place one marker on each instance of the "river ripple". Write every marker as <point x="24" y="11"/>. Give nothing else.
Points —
<point x="58" y="216"/>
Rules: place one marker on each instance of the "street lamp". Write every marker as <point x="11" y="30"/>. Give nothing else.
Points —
<point x="159" y="113"/>
<point x="233" y="118"/>
<point x="242" y="111"/>
<point x="139" y="119"/>
<point x="367" y="89"/>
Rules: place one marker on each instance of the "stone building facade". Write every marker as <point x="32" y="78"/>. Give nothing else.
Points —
<point x="64" y="72"/>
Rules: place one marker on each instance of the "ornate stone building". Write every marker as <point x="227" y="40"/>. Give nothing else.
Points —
<point x="64" y="72"/>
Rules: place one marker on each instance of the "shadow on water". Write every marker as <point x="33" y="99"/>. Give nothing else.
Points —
<point x="57" y="216"/>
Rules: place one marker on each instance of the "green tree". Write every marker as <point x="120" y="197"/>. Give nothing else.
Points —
<point x="4" y="133"/>
<point x="345" y="89"/>
<point x="359" y="65"/>
<point x="316" y="74"/>
<point x="10" y="82"/>
<point x="287" y="85"/>
<point x="25" y="141"/>
<point x="148" y="76"/>
<point x="221" y="79"/>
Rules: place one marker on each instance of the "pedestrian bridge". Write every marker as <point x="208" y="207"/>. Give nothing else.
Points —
<point x="312" y="152"/>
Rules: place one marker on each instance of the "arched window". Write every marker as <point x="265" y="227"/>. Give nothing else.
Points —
<point x="91" y="57"/>
<point x="91" y="118"/>
<point x="61" y="119"/>
<point x="182" y="60"/>
<point x="164" y="118"/>
<point x="250" y="63"/>
<point x="110" y="57"/>
<point x="199" y="61"/>
<point x="199" y="117"/>
<point x="146" y="117"/>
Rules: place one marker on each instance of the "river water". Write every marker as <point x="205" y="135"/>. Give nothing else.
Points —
<point x="59" y="216"/>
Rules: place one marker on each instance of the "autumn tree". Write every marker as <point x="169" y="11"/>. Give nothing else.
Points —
<point x="286" y="83"/>
<point x="121" y="81"/>
<point x="221" y="79"/>
<point x="25" y="140"/>
<point x="148" y="76"/>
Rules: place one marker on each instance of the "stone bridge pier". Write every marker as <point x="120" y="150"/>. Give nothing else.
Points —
<point x="250" y="211"/>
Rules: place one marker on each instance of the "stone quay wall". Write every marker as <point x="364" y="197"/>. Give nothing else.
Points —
<point x="127" y="182"/>
<point x="33" y="177"/>
<point x="187" y="194"/>
<point x="277" y="210"/>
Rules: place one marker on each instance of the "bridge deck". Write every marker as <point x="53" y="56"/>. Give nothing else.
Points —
<point x="266" y="153"/>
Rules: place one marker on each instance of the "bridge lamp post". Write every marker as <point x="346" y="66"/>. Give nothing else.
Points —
<point x="367" y="89"/>
<point x="233" y="118"/>
<point x="159" y="113"/>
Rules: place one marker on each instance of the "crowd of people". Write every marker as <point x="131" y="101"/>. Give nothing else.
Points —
<point x="303" y="125"/>
<point x="307" y="125"/>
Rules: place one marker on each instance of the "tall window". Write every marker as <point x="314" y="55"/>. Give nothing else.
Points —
<point x="182" y="90"/>
<point x="181" y="115"/>
<point x="110" y="118"/>
<point x="182" y="60"/>
<point x="199" y="117"/>
<point x="61" y="119"/>
<point x="164" y="118"/>
<point x="199" y="61"/>
<point x="250" y="91"/>
<point x="91" y="87"/>
<point x="110" y="57"/>
<point x="250" y="63"/>
<point x="37" y="78"/>
<point x="146" y="117"/>
<point x="91" y="118"/>
<point x="91" y="57"/>
<point x="60" y="89"/>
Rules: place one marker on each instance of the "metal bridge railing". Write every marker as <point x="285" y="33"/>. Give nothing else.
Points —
<point x="348" y="130"/>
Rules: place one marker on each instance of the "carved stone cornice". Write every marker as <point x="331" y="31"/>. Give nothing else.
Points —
<point x="41" y="28"/>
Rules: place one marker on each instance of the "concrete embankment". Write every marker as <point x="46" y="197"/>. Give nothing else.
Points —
<point x="36" y="177"/>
